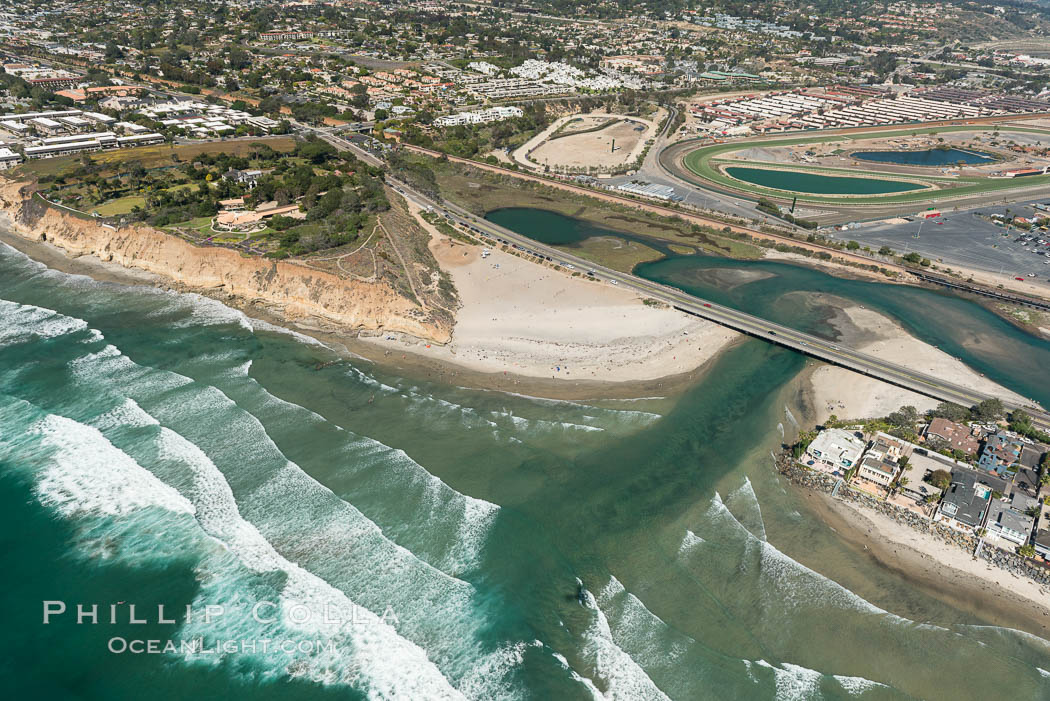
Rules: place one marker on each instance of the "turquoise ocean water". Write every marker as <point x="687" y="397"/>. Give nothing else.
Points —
<point x="401" y="539"/>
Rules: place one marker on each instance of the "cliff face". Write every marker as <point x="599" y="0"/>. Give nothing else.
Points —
<point x="295" y="292"/>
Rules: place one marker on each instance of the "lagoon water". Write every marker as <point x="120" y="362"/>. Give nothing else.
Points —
<point x="790" y="295"/>
<point x="926" y="157"/>
<point x="816" y="184"/>
<point x="161" y="448"/>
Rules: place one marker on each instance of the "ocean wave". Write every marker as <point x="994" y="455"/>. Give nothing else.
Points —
<point x="787" y="580"/>
<point x="435" y="505"/>
<point x="617" y="671"/>
<point x="794" y="683"/>
<point x="22" y="322"/>
<point x="88" y="475"/>
<point x="373" y="643"/>
<point x="1004" y="631"/>
<point x="305" y="521"/>
<point x="689" y="541"/>
<point x="646" y="636"/>
<point x="127" y="414"/>
<point x="596" y="694"/>
<point x="492" y="677"/>
<point x="743" y="502"/>
<point x="205" y="311"/>
<point x="856" y="686"/>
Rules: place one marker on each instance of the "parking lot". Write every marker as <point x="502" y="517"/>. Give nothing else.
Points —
<point x="966" y="238"/>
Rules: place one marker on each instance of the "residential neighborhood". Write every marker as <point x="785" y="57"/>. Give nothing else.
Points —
<point x="977" y="476"/>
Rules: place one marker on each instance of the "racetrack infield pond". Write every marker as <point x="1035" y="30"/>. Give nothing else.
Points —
<point x="814" y="184"/>
<point x="703" y="165"/>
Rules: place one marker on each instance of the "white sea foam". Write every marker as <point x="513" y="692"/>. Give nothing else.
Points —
<point x="22" y="322"/>
<point x="469" y="518"/>
<point x="110" y="367"/>
<point x="646" y="636"/>
<point x="622" y="677"/>
<point x="259" y="324"/>
<point x="126" y="414"/>
<point x="689" y="541"/>
<point x="492" y="676"/>
<point x="856" y="685"/>
<point x="387" y="665"/>
<point x="587" y="683"/>
<point x="743" y="502"/>
<point x="523" y="424"/>
<point x="379" y="573"/>
<point x="791" y="582"/>
<point x="794" y="683"/>
<point x="88" y="475"/>
<point x="439" y="506"/>
<point x="371" y="381"/>
<point x="205" y="311"/>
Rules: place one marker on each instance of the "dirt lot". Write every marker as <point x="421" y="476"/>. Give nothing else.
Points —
<point x="594" y="148"/>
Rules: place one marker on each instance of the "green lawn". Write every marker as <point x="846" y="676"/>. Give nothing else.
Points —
<point x="121" y="205"/>
<point x="200" y="224"/>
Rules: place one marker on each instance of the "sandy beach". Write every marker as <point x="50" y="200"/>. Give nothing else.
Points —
<point x="627" y="349"/>
<point x="521" y="318"/>
<point x="849" y="395"/>
<point x="947" y="572"/>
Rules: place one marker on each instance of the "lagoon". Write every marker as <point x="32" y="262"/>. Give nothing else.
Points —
<point x="936" y="157"/>
<point x="815" y="184"/>
<point x="959" y="326"/>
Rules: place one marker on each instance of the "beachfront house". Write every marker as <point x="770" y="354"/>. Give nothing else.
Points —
<point x="877" y="468"/>
<point x="1041" y="541"/>
<point x="834" y="449"/>
<point x="882" y="460"/>
<point x="1001" y="454"/>
<point x="1010" y="520"/>
<point x="965" y="504"/>
<point x="952" y="435"/>
<point x="1027" y="477"/>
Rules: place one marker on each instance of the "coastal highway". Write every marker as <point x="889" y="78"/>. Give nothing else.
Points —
<point x="827" y="351"/>
<point x="813" y="346"/>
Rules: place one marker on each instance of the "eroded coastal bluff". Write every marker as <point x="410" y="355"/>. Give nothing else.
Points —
<point x="295" y="292"/>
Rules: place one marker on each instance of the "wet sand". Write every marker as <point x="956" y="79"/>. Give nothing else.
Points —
<point x="945" y="572"/>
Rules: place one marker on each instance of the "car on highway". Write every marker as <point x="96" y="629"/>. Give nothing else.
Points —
<point x="707" y="304"/>
<point x="1019" y="278"/>
<point x="615" y="282"/>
